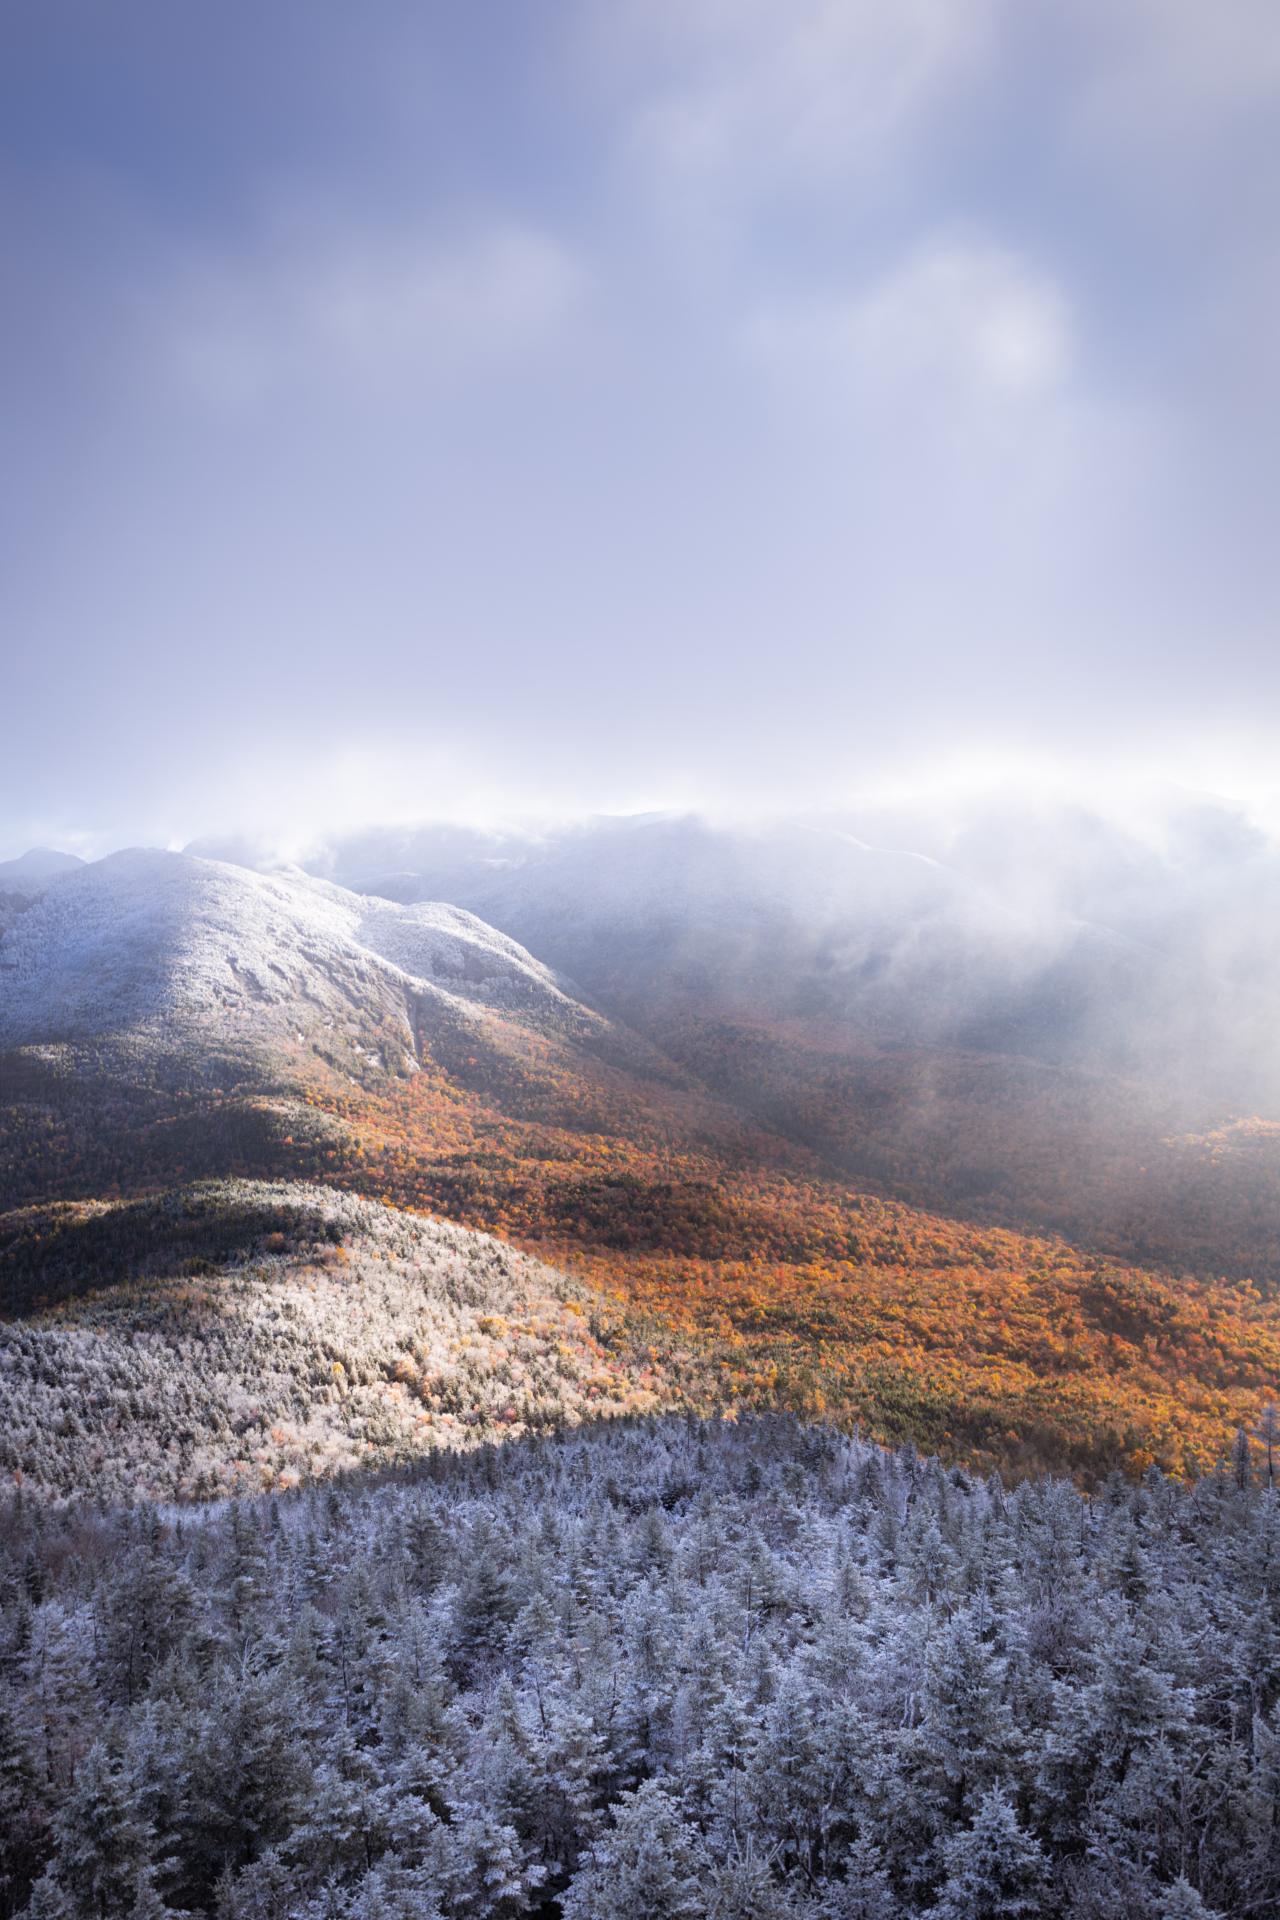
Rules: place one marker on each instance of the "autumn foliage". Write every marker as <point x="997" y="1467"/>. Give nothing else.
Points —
<point x="788" y="1281"/>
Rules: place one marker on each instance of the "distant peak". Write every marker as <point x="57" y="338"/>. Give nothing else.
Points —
<point x="39" y="863"/>
<point x="46" y="860"/>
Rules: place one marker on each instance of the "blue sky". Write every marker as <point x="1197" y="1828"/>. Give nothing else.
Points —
<point x="471" y="407"/>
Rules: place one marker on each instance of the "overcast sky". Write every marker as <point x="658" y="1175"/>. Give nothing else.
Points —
<point x="429" y="408"/>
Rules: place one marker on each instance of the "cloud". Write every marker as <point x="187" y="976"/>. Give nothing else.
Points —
<point x="789" y="88"/>
<point x="662" y="395"/>
<point x="376" y="309"/>
<point x="969" y="317"/>
<point x="1177" y="68"/>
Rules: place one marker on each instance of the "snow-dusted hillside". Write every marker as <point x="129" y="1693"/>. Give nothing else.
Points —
<point x="444" y="945"/>
<point x="146" y="942"/>
<point x="324" y="1333"/>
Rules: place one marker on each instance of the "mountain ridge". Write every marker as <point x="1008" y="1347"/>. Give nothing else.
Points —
<point x="151" y="939"/>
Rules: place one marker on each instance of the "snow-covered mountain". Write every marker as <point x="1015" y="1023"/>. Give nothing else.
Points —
<point x="32" y="871"/>
<point x="797" y="919"/>
<point x="148" y="943"/>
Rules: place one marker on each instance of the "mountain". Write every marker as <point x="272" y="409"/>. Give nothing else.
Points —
<point x="33" y="870"/>
<point x="1044" y="1020"/>
<point x="1057" y="937"/>
<point x="154" y="943"/>
<point x="807" y="921"/>
<point x="23" y="880"/>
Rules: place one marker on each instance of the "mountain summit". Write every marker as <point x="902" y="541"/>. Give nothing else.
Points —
<point x="154" y="944"/>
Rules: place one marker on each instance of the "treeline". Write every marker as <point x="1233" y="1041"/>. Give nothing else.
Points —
<point x="649" y="1669"/>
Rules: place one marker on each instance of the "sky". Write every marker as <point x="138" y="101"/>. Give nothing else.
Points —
<point x="432" y="410"/>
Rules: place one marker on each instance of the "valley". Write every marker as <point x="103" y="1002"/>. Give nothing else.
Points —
<point x="1014" y="1263"/>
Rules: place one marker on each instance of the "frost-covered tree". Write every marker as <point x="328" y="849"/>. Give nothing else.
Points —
<point x="654" y="1666"/>
<point x="649" y="1862"/>
<point x="995" y="1870"/>
<point x="103" y="1844"/>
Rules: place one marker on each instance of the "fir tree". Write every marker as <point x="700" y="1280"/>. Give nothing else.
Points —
<point x="995" y="1870"/>
<point x="648" y="1862"/>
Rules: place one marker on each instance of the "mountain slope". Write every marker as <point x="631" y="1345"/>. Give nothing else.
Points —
<point x="22" y="881"/>
<point x="799" y="919"/>
<point x="1071" y="1032"/>
<point x="33" y="870"/>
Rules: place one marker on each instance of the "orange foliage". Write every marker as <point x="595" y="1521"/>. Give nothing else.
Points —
<point x="785" y="1282"/>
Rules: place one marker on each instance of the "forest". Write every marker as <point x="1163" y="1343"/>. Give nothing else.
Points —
<point x="653" y="1667"/>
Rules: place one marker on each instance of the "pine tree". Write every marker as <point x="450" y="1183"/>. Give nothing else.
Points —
<point x="24" y="1818"/>
<point x="967" y="1728"/>
<point x="50" y="1900"/>
<point x="147" y="1904"/>
<point x="1242" y="1461"/>
<point x="1182" y="1902"/>
<point x="103" y="1845"/>
<point x="648" y="1863"/>
<point x="485" y="1873"/>
<point x="864" y="1892"/>
<point x="742" y="1887"/>
<point x="994" y="1870"/>
<point x="482" y="1612"/>
<point x="1268" y="1432"/>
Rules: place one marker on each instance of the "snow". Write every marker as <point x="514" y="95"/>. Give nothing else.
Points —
<point x="147" y="938"/>
<point x="432" y="941"/>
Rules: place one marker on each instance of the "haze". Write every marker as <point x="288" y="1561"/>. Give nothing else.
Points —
<point x="604" y="405"/>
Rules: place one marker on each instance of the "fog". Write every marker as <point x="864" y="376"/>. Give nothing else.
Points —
<point x="630" y="406"/>
<point x="1133" y="941"/>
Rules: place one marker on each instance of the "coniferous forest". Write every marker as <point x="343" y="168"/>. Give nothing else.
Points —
<point x="655" y="1668"/>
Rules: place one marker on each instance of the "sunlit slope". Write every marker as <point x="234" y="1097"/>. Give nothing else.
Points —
<point x="988" y="1344"/>
<point x="236" y="1335"/>
<point x="788" y="1287"/>
<point x="153" y="947"/>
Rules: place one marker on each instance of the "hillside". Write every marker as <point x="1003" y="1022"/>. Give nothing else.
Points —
<point x="153" y="945"/>
<point x="23" y="880"/>
<point x="1130" y="1170"/>
<point x="233" y="1336"/>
